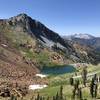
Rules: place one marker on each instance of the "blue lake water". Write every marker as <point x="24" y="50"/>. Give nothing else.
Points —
<point x="58" y="70"/>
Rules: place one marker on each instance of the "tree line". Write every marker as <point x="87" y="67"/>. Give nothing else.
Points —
<point x="77" y="93"/>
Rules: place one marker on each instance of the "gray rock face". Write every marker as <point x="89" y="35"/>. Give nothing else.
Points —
<point x="47" y="37"/>
<point x="37" y="29"/>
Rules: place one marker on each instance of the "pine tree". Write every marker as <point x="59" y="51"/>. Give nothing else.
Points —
<point x="57" y="96"/>
<point x="71" y="81"/>
<point x="38" y="97"/>
<point x="61" y="93"/>
<point x="54" y="98"/>
<point x="95" y="86"/>
<point x="73" y="96"/>
<point x="95" y="77"/>
<point x="84" y="75"/>
<point x="76" y="84"/>
<point x="95" y="90"/>
<point x="80" y="93"/>
<point x="76" y="89"/>
<point x="92" y="87"/>
<point x="47" y="98"/>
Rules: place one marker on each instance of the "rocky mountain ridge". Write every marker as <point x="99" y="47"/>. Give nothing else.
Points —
<point x="86" y="40"/>
<point x="27" y="45"/>
<point x="80" y="36"/>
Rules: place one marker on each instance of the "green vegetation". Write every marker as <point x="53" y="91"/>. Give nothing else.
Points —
<point x="84" y="76"/>
<point x="57" y="81"/>
<point x="60" y="86"/>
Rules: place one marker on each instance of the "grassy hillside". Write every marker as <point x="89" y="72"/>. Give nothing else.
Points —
<point x="26" y="47"/>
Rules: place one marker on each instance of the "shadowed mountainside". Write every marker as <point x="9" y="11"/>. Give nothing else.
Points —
<point x="26" y="46"/>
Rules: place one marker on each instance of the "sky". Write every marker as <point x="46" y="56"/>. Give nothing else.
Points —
<point x="62" y="16"/>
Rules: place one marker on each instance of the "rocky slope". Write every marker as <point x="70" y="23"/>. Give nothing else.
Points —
<point x="85" y="39"/>
<point x="26" y="45"/>
<point x="94" y="42"/>
<point x="80" y="36"/>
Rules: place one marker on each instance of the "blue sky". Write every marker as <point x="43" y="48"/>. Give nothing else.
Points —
<point x="63" y="16"/>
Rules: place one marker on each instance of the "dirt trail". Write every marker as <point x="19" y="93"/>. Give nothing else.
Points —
<point x="88" y="75"/>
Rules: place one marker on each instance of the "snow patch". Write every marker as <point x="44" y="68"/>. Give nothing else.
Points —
<point x="79" y="36"/>
<point x="60" y="46"/>
<point x="80" y="64"/>
<point x="37" y="86"/>
<point x="4" y="45"/>
<point x="48" y="42"/>
<point x="82" y="36"/>
<point x="41" y="75"/>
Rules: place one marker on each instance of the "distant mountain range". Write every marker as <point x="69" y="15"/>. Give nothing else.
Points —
<point x="80" y="36"/>
<point x="85" y="39"/>
<point x="26" y="45"/>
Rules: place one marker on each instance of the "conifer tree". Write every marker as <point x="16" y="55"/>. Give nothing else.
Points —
<point x="93" y="87"/>
<point x="57" y="96"/>
<point x="76" y="89"/>
<point x="54" y="98"/>
<point x="84" y="75"/>
<point x="38" y="97"/>
<point x="76" y="84"/>
<point x="73" y="96"/>
<point x="71" y="81"/>
<point x="95" y="90"/>
<point x="61" y="93"/>
<point x="47" y="98"/>
<point x="80" y="93"/>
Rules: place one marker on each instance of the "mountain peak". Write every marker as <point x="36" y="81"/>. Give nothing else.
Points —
<point x="82" y="36"/>
<point x="19" y="17"/>
<point x="22" y="15"/>
<point x="79" y="36"/>
<point x="24" y="23"/>
<point x="22" y="28"/>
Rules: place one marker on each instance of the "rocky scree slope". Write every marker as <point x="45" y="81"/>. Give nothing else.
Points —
<point x="27" y="45"/>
